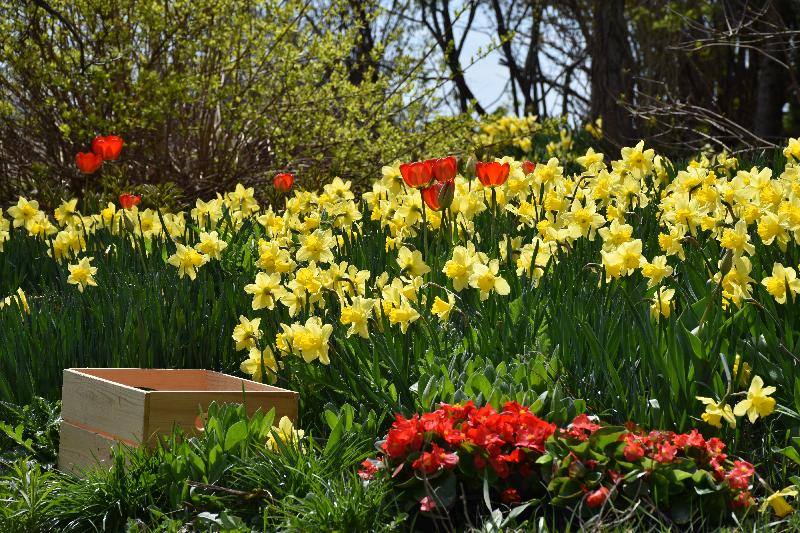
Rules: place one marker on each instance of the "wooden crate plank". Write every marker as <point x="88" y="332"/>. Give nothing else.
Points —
<point x="103" y="405"/>
<point x="80" y="449"/>
<point x="182" y="408"/>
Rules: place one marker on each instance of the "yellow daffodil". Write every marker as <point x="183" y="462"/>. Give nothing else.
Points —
<point x="207" y="213"/>
<point x="777" y="500"/>
<point x="286" y="433"/>
<point x="782" y="278"/>
<point x="716" y="412"/>
<point x="187" y="260"/>
<point x="656" y="271"/>
<point x="758" y="403"/>
<point x="4" y="230"/>
<point x="615" y="234"/>
<point x="485" y="278"/>
<point x="638" y="161"/>
<point x="265" y="289"/>
<point x="737" y="239"/>
<point x="662" y="304"/>
<point x="67" y="212"/>
<point x="411" y="263"/>
<point x="82" y="274"/>
<point x="246" y="333"/>
<point x="403" y="314"/>
<point x="259" y="360"/>
<point x="210" y="245"/>
<point x="317" y="247"/>
<point x="357" y="315"/>
<point x="24" y="212"/>
<point x="242" y="199"/>
<point x="311" y="339"/>
<point x="441" y="308"/>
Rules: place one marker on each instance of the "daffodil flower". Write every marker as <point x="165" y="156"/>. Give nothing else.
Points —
<point x="758" y="402"/>
<point x="777" y="500"/>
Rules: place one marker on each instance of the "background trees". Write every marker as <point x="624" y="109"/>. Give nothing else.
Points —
<point x="210" y="92"/>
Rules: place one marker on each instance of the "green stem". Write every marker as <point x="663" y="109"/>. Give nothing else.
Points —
<point x="424" y="223"/>
<point x="494" y="217"/>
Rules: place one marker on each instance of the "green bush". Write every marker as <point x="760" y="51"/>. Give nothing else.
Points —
<point x="206" y="93"/>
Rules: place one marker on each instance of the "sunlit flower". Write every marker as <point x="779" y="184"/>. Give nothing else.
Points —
<point x="211" y="245"/>
<point x="777" y="500"/>
<point x="82" y="274"/>
<point x="286" y="433"/>
<point x="716" y="412"/>
<point x="67" y="212"/>
<point x="781" y="279"/>
<point x="357" y="315"/>
<point x="312" y="340"/>
<point x="662" y="303"/>
<point x="265" y="289"/>
<point x="316" y="247"/>
<point x="403" y="314"/>
<point x="246" y="333"/>
<point x="411" y="263"/>
<point x="441" y="308"/>
<point x="758" y="403"/>
<point x="24" y="212"/>
<point x="486" y="279"/>
<point x="187" y="261"/>
<point x="258" y="362"/>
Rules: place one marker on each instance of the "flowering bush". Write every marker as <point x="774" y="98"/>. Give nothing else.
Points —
<point x="584" y="464"/>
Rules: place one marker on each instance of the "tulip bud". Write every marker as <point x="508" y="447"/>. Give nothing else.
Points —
<point x="528" y="166"/>
<point x="469" y="166"/>
<point x="446" y="194"/>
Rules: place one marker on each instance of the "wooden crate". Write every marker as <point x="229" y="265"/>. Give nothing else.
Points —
<point x="105" y="406"/>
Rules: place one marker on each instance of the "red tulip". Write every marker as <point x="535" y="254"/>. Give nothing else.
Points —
<point x="597" y="498"/>
<point x="108" y="147"/>
<point x="528" y="167"/>
<point x="445" y="168"/>
<point x="128" y="200"/>
<point x="492" y="174"/>
<point x="439" y="195"/>
<point x="283" y="181"/>
<point x="88" y="162"/>
<point x="417" y="175"/>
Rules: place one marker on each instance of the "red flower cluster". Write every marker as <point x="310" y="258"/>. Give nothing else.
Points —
<point x="437" y="194"/>
<point x="584" y="459"/>
<point x="104" y="148"/>
<point x="507" y="442"/>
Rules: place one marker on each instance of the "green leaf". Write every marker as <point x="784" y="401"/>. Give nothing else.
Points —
<point x="235" y="435"/>
<point x="334" y="438"/>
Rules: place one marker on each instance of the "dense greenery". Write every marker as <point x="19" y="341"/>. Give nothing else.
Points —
<point x="206" y="94"/>
<point x="561" y="325"/>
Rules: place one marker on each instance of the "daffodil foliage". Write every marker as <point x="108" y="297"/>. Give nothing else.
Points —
<point x="622" y="284"/>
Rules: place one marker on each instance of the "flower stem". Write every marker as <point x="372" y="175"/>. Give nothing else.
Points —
<point x="424" y="223"/>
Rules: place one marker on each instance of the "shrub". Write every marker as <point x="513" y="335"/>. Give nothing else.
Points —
<point x="205" y="93"/>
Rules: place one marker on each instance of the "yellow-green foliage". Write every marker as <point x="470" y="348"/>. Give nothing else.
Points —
<point x="206" y="93"/>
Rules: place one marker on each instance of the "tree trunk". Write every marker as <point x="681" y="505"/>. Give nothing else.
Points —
<point x="612" y="81"/>
<point x="773" y="78"/>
